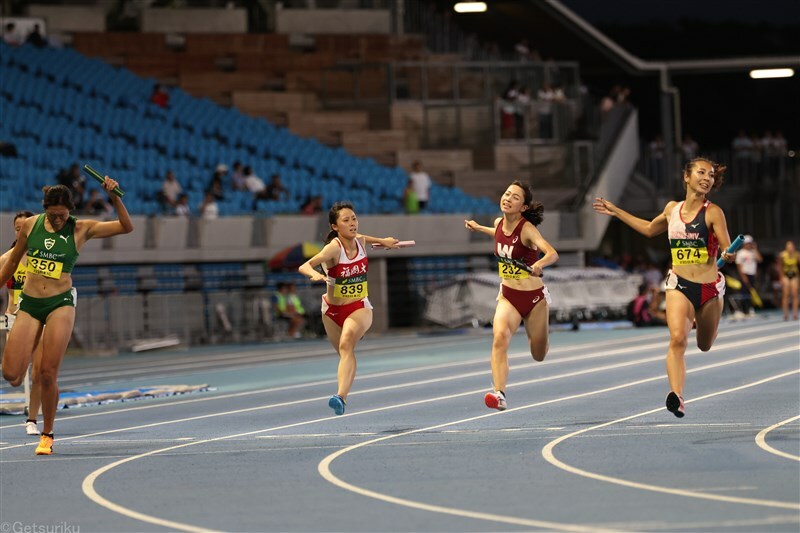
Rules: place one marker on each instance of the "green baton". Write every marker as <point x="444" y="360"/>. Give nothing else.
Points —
<point x="99" y="177"/>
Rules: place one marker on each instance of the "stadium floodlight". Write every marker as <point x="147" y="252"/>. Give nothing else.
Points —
<point x="470" y="7"/>
<point x="766" y="73"/>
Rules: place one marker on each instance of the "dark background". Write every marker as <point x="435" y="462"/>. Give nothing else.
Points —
<point x="714" y="105"/>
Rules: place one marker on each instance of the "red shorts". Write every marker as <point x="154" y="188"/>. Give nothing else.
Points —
<point x="339" y="313"/>
<point x="525" y="301"/>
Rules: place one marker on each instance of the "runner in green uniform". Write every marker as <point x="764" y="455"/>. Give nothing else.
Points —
<point x="51" y="243"/>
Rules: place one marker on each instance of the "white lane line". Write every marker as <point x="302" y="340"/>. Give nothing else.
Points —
<point x="395" y="387"/>
<point x="761" y="440"/>
<point x="325" y="470"/>
<point x="88" y="485"/>
<point x="390" y="373"/>
<point x="427" y="382"/>
<point x="549" y="456"/>
<point x="719" y="525"/>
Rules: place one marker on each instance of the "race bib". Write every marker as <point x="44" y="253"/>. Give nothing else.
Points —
<point x="689" y="253"/>
<point x="508" y="270"/>
<point x="45" y="267"/>
<point x="354" y="287"/>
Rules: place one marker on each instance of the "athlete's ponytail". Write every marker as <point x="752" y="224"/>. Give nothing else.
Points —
<point x="535" y="212"/>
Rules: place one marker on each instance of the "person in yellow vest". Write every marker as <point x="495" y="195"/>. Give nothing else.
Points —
<point x="289" y="307"/>
<point x="14" y="293"/>
<point x="51" y="242"/>
<point x="790" y="279"/>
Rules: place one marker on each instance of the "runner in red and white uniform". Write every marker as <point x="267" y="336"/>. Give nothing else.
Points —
<point x="346" y="311"/>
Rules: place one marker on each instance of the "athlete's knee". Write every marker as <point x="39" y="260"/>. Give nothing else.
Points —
<point x="47" y="377"/>
<point x="14" y="378"/>
<point x="501" y="339"/>
<point x="705" y="345"/>
<point x="538" y="353"/>
<point x="679" y="341"/>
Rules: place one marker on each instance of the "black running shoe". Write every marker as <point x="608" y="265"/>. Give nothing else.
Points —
<point x="675" y="405"/>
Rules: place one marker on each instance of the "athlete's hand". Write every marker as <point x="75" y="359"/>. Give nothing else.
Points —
<point x="471" y="225"/>
<point x="110" y="184"/>
<point x="389" y="242"/>
<point x="604" y="207"/>
<point x="728" y="258"/>
<point x="318" y="277"/>
<point x="536" y="269"/>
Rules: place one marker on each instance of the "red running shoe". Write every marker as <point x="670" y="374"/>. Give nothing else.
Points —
<point x="495" y="400"/>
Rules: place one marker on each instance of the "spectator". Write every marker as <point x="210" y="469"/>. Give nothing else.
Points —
<point x="645" y="310"/>
<point x="215" y="187"/>
<point x="256" y="186"/>
<point x="10" y="35"/>
<point x="421" y="182"/>
<point x="523" y="110"/>
<point x="522" y="50"/>
<point x="288" y="307"/>
<point x="237" y="177"/>
<point x="546" y="98"/>
<point x="275" y="189"/>
<point x="742" y="155"/>
<point x="209" y="209"/>
<point x="656" y="150"/>
<point x="747" y="260"/>
<point x="182" y="208"/>
<point x="170" y="191"/>
<point x="35" y="37"/>
<point x="410" y="200"/>
<point x="97" y="205"/>
<point x="160" y="96"/>
<point x="689" y="148"/>
<point x="312" y="206"/>
<point x="508" y="108"/>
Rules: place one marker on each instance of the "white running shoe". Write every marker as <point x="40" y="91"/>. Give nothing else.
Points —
<point x="31" y="429"/>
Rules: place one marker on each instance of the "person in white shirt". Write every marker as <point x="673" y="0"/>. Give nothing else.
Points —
<point x="170" y="190"/>
<point x="209" y="209"/>
<point x="747" y="260"/>
<point x="421" y="183"/>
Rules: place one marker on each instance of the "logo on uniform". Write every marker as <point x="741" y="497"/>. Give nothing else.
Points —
<point x="536" y="299"/>
<point x="515" y="239"/>
<point x="49" y="243"/>
<point x="65" y="237"/>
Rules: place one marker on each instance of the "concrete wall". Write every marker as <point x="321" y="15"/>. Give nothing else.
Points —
<point x="194" y="20"/>
<point x="345" y="21"/>
<point x="70" y="18"/>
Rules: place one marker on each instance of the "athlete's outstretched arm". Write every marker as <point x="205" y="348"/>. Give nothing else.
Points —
<point x="474" y="226"/>
<point x="648" y="229"/>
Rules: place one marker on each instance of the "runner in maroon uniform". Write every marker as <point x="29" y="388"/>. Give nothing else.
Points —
<point x="523" y="297"/>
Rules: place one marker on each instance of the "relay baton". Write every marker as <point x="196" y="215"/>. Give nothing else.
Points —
<point x="99" y="177"/>
<point x="519" y="264"/>
<point x="732" y="249"/>
<point x="400" y="244"/>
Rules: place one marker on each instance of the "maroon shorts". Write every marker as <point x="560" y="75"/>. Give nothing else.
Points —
<point x="339" y="313"/>
<point x="525" y="301"/>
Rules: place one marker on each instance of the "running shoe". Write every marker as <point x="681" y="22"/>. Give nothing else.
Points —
<point x="30" y="428"/>
<point x="675" y="405"/>
<point x="495" y="400"/>
<point x="337" y="403"/>
<point x="45" y="446"/>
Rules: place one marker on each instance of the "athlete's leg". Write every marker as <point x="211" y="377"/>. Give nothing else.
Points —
<point x="537" y="326"/>
<point x="20" y="343"/>
<point x="794" y="285"/>
<point x="506" y="321"/>
<point x="680" y="314"/>
<point x="36" y="382"/>
<point x="708" y="317"/>
<point x="54" y="344"/>
<point x="355" y="326"/>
